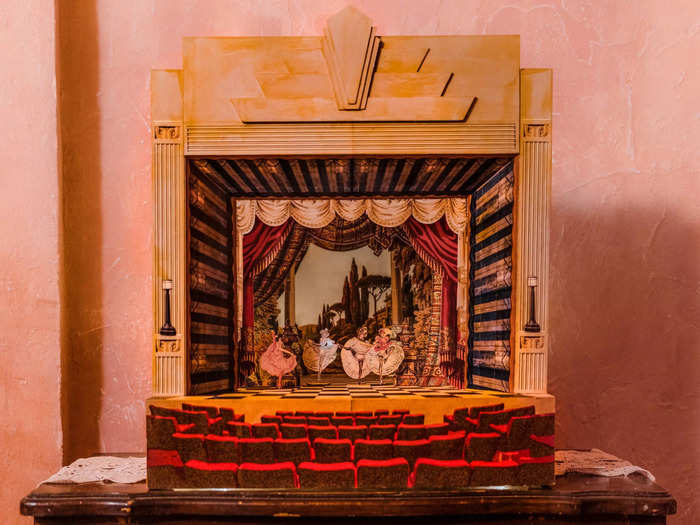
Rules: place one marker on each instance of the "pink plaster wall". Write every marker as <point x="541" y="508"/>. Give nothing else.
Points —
<point x="624" y="363"/>
<point x="30" y="311"/>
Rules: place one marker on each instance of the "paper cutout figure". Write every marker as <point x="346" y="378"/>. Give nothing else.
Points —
<point x="317" y="356"/>
<point x="386" y="355"/>
<point x="354" y="353"/>
<point x="274" y="362"/>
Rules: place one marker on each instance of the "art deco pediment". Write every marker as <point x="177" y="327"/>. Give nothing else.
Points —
<point x="351" y="74"/>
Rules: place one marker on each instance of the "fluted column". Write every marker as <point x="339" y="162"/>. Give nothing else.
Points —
<point x="169" y="233"/>
<point x="533" y="188"/>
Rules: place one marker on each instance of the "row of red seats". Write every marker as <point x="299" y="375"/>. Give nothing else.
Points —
<point x="352" y="432"/>
<point x="370" y="474"/>
<point x="359" y="418"/>
<point x="453" y="445"/>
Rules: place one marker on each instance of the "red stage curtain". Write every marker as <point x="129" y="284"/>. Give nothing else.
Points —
<point x="436" y="244"/>
<point x="260" y="247"/>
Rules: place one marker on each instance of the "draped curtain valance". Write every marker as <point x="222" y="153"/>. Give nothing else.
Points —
<point x="319" y="213"/>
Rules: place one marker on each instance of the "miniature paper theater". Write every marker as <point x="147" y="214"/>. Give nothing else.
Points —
<point x="351" y="263"/>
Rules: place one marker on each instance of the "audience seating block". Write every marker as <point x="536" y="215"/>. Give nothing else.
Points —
<point x="413" y="419"/>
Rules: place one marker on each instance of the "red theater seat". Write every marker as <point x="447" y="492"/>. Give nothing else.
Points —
<point x="541" y="446"/>
<point x="475" y="411"/>
<point x="410" y="432"/>
<point x="352" y="432"/>
<point x="401" y="411"/>
<point x="164" y="469"/>
<point x="381" y="413"/>
<point x="382" y="474"/>
<point x="390" y="420"/>
<point x="294" y="420"/>
<point x="329" y="415"/>
<point x="516" y="434"/>
<point x="382" y="432"/>
<point x="160" y="430"/>
<point x="190" y="446"/>
<point x="536" y="471"/>
<point x="304" y="413"/>
<point x="326" y="475"/>
<point x="481" y="447"/>
<point x="490" y="473"/>
<point x="267" y="476"/>
<point x="267" y="418"/>
<point x="329" y="432"/>
<point x="201" y="474"/>
<point x="284" y="413"/>
<point x="294" y="450"/>
<point x="543" y="424"/>
<point x="238" y="429"/>
<point x="412" y="450"/>
<point x="332" y="450"/>
<point x="265" y="430"/>
<point x="413" y="419"/>
<point x="440" y="474"/>
<point x="447" y="447"/>
<point x="212" y="412"/>
<point x="291" y="431"/>
<point x="343" y="420"/>
<point x="228" y="414"/>
<point x="203" y="424"/>
<point x="343" y="413"/>
<point x="319" y="421"/>
<point x="221" y="449"/>
<point x="361" y="413"/>
<point x="366" y="420"/>
<point x="374" y="449"/>
<point x="256" y="450"/>
<point x="437" y="429"/>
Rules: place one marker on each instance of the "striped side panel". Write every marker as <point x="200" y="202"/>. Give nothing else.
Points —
<point x="211" y="284"/>
<point x="491" y="258"/>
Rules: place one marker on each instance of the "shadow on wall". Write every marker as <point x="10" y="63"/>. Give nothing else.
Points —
<point x="81" y="201"/>
<point x="624" y="384"/>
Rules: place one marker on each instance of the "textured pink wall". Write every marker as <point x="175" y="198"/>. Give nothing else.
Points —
<point x="30" y="312"/>
<point x="624" y="363"/>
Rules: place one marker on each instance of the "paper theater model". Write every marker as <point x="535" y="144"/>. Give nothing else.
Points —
<point x="351" y="263"/>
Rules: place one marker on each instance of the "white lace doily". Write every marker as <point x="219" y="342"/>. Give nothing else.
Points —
<point x="102" y="468"/>
<point x="595" y="462"/>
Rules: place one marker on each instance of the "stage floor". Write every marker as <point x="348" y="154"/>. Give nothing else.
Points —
<point x="434" y="402"/>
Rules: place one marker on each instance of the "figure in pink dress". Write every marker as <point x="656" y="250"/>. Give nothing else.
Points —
<point x="274" y="361"/>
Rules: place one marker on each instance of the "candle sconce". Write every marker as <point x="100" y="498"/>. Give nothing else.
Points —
<point x="167" y="328"/>
<point x="532" y="325"/>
